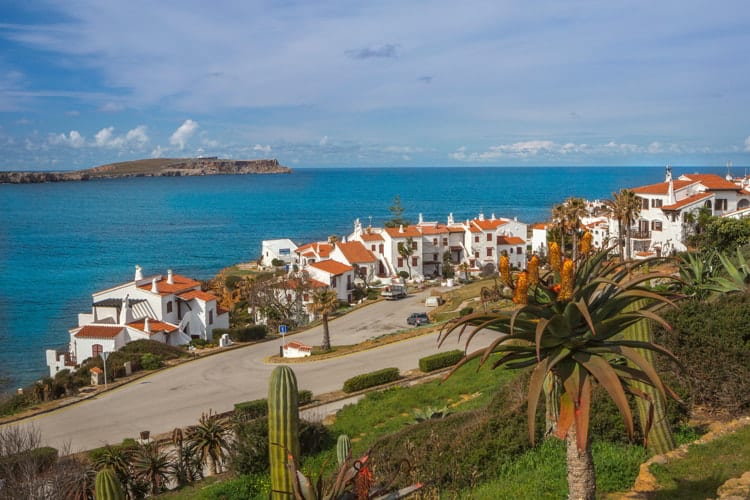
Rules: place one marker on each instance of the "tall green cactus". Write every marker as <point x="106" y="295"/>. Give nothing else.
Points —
<point x="343" y="448"/>
<point x="283" y="430"/>
<point x="107" y="485"/>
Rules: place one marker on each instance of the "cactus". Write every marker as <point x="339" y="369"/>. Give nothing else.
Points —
<point x="343" y="448"/>
<point x="283" y="430"/>
<point x="108" y="487"/>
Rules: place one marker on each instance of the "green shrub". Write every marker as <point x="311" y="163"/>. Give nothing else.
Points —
<point x="712" y="342"/>
<point x="247" y="333"/>
<point x="245" y="486"/>
<point x="440" y="360"/>
<point x="403" y="275"/>
<point x="42" y="460"/>
<point x="248" y="410"/>
<point x="199" y="343"/>
<point x="466" y="311"/>
<point x="166" y="351"/>
<point x="150" y="361"/>
<point x="304" y="396"/>
<point x="371" y="379"/>
<point x="14" y="404"/>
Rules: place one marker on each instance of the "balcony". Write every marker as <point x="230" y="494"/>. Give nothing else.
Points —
<point x="640" y="235"/>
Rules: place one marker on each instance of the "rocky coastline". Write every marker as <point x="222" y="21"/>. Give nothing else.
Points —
<point x="175" y="167"/>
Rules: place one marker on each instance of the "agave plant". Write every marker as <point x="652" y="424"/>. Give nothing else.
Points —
<point x="571" y="332"/>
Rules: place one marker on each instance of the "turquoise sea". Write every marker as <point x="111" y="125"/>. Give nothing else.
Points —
<point x="61" y="242"/>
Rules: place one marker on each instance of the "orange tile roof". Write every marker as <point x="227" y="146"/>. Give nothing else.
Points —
<point x="713" y="182"/>
<point x="510" y="240"/>
<point x="98" y="332"/>
<point x="96" y="370"/>
<point x="371" y="237"/>
<point x="687" y="201"/>
<point x="179" y="284"/>
<point x="456" y="229"/>
<point x="321" y="249"/>
<point x="221" y="310"/>
<point x="154" y="325"/>
<point x="661" y="187"/>
<point x="198" y="294"/>
<point x="298" y="346"/>
<point x="332" y="267"/>
<point x="409" y="231"/>
<point x="438" y="229"/>
<point x="540" y="225"/>
<point x="355" y="251"/>
<point x="318" y="284"/>
<point x="489" y="224"/>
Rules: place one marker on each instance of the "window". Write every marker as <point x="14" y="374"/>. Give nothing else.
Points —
<point x="644" y="204"/>
<point x="413" y="245"/>
<point x="333" y="282"/>
<point x="445" y="242"/>
<point x="400" y="262"/>
<point x="434" y="241"/>
<point x="476" y="239"/>
<point x="348" y="281"/>
<point x="414" y="261"/>
<point x="210" y="316"/>
<point x="169" y="307"/>
<point x="489" y="252"/>
<point x="305" y="297"/>
<point x="380" y="248"/>
<point x="721" y="204"/>
<point x="656" y="225"/>
<point x="96" y="350"/>
<point x="435" y="257"/>
<point x="476" y="254"/>
<point x="372" y="247"/>
<point x="656" y="203"/>
<point x="511" y="251"/>
<point x="519" y="250"/>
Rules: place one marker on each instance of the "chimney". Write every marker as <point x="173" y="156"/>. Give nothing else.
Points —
<point x="481" y="216"/>
<point x="493" y="216"/>
<point x="421" y="219"/>
<point x="450" y="218"/>
<point x="170" y="280"/>
<point x="401" y="228"/>
<point x="154" y="288"/>
<point x="138" y="273"/>
<point x="146" y="326"/>
<point x="126" y="314"/>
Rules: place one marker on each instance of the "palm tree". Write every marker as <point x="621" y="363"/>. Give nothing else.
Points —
<point x="186" y="467"/>
<point x="324" y="302"/>
<point x="575" y="208"/>
<point x="208" y="439"/>
<point x="406" y="250"/>
<point x="117" y="458"/>
<point x="574" y="334"/>
<point x="152" y="466"/>
<point x="625" y="206"/>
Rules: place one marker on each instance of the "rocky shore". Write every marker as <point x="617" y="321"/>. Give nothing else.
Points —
<point x="160" y="167"/>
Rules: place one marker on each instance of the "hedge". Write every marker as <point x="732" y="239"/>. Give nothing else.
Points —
<point x="440" y="360"/>
<point x="371" y="379"/>
<point x="258" y="408"/>
<point x="242" y="334"/>
<point x="41" y="458"/>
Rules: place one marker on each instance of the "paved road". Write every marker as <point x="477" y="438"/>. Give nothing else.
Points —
<point x="176" y="397"/>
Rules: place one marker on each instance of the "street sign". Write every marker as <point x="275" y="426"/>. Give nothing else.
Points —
<point x="282" y="329"/>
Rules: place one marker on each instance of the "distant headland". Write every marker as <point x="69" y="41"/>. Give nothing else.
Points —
<point x="152" y="167"/>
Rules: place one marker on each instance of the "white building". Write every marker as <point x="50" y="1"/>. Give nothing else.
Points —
<point x="338" y="276"/>
<point x="663" y="223"/>
<point x="171" y="309"/>
<point x="282" y="249"/>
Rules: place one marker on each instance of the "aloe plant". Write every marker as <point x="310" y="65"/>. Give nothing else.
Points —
<point x="573" y="331"/>
<point x="108" y="487"/>
<point x="283" y="429"/>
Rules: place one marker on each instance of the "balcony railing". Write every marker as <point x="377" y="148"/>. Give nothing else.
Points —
<point x="640" y="235"/>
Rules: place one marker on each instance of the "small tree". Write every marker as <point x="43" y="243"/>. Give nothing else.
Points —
<point x="324" y="302"/>
<point x="209" y="440"/>
<point x="397" y="214"/>
<point x="406" y="250"/>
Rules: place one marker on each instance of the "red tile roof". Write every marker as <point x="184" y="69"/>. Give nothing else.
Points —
<point x="371" y="237"/>
<point x="540" y="225"/>
<point x="221" y="310"/>
<point x="98" y="332"/>
<point x="179" y="284"/>
<point x="198" y="294"/>
<point x="332" y="267"/>
<point x="355" y="251"/>
<point x="687" y="201"/>
<point x="298" y="346"/>
<point x="318" y="284"/>
<point x="489" y="224"/>
<point x="437" y="229"/>
<point x="712" y="182"/>
<point x="510" y="240"/>
<point x="321" y="249"/>
<point x="409" y="231"/>
<point x="661" y="187"/>
<point x="154" y="326"/>
<point x="456" y="229"/>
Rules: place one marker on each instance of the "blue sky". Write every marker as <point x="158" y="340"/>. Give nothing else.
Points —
<point x="388" y="83"/>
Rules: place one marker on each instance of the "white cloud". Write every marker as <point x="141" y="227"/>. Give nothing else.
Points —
<point x="324" y="140"/>
<point x="183" y="133"/>
<point x="74" y="139"/>
<point x="111" y="107"/>
<point x="263" y="149"/>
<point x="747" y="143"/>
<point x="158" y="152"/>
<point x="106" y="138"/>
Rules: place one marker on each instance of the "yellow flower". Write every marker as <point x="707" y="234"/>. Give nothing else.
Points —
<point x="585" y="246"/>
<point x="533" y="269"/>
<point x="568" y="278"/>
<point x="554" y="256"/>
<point x="505" y="269"/>
<point x="521" y="296"/>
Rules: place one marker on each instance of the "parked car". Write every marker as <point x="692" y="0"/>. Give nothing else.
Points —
<point x="418" y="319"/>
